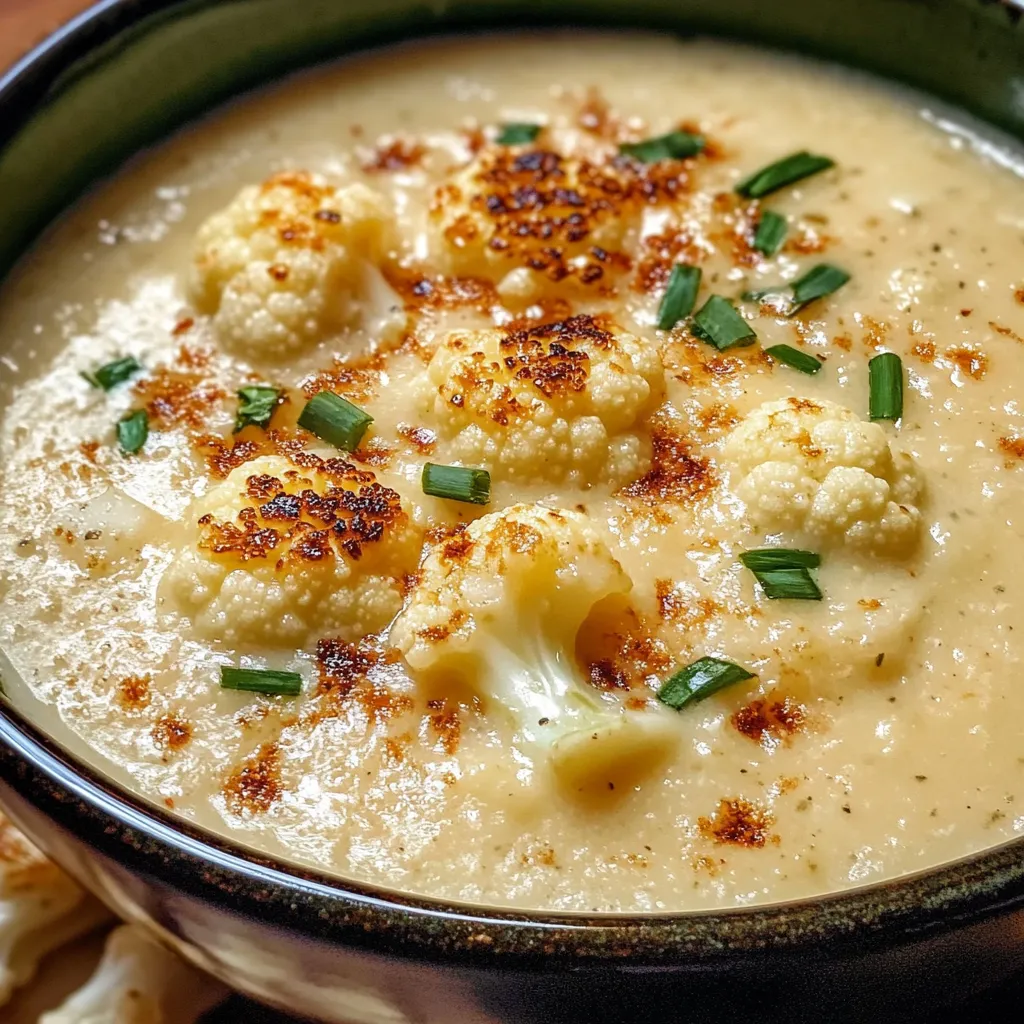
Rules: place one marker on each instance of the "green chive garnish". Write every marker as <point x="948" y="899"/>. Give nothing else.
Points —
<point x="699" y="680"/>
<point x="765" y="559"/>
<point x="819" y="281"/>
<point x="718" y="322"/>
<point x="256" y="404"/>
<point x="787" y="171"/>
<point x="674" y="146"/>
<point x="784" y="572"/>
<point x="517" y="133"/>
<point x="335" y="420"/>
<point x="132" y="431"/>
<point x="679" y="297"/>
<point x="794" y="357"/>
<point x="261" y="680"/>
<point x="788" y="584"/>
<point x="111" y="374"/>
<point x="458" y="483"/>
<point x="771" y="233"/>
<point x="885" y="381"/>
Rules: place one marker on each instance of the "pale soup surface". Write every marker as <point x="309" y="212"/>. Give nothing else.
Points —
<point x="478" y="717"/>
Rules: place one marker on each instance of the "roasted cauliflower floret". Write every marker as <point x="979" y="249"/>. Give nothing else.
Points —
<point x="498" y="609"/>
<point x="538" y="221"/>
<point x="41" y="908"/>
<point x="815" y="467"/>
<point x="287" y="261"/>
<point x="138" y="982"/>
<point x="285" y="553"/>
<point x="557" y="402"/>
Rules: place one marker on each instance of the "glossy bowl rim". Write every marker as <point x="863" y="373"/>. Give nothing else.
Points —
<point x="132" y="831"/>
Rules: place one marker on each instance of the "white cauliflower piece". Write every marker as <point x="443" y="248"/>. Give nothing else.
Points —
<point x="286" y="553"/>
<point x="498" y="609"/>
<point x="539" y="222"/>
<point x="556" y="402"/>
<point x="138" y="982"/>
<point x="287" y="262"/>
<point x="815" y="467"/>
<point x="41" y="908"/>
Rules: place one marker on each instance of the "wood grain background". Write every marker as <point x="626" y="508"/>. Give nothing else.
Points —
<point x="23" y="23"/>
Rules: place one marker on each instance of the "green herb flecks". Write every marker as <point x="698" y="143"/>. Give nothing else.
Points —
<point x="518" y="133"/>
<point x="885" y="384"/>
<point x="261" y="680"/>
<point x="718" y="323"/>
<point x="256" y="405"/>
<point x="132" y="431"/>
<point x="680" y="296"/>
<point x="699" y="680"/>
<point x="784" y="573"/>
<point x="770" y="233"/>
<point x="763" y="559"/>
<point x="113" y="373"/>
<point x="335" y="420"/>
<point x="795" y="358"/>
<point x="678" y="145"/>
<point x="787" y="171"/>
<point x="819" y="281"/>
<point x="457" y="483"/>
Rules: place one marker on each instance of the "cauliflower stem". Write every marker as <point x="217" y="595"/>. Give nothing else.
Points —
<point x="499" y="608"/>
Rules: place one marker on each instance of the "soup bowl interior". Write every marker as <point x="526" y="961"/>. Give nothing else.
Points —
<point x="350" y="952"/>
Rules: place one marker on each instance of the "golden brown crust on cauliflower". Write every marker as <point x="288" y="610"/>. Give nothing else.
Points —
<point x="283" y="265"/>
<point x="553" y="402"/>
<point x="560" y="220"/>
<point x="816" y="468"/>
<point x="285" y="552"/>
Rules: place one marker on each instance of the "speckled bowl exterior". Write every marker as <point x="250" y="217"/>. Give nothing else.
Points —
<point x="354" y="954"/>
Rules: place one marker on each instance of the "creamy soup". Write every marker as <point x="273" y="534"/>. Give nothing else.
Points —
<point x="506" y="642"/>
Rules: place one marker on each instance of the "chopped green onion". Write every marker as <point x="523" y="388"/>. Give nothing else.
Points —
<point x="679" y="297"/>
<point x="674" y="146"/>
<point x="256" y="404"/>
<point x="718" y="323"/>
<point x="788" y="584"/>
<point x="132" y="431"/>
<point x="819" y="281"/>
<point x="885" y="381"/>
<point x="335" y="420"/>
<point x="771" y="233"/>
<point x="457" y="483"/>
<point x="794" y="357"/>
<point x="699" y="680"/>
<point x="111" y="374"/>
<point x="518" y="133"/>
<point x="261" y="680"/>
<point x="784" y="572"/>
<point x="787" y="171"/>
<point x="765" y="559"/>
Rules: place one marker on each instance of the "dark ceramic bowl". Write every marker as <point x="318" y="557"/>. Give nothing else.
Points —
<point x="130" y="71"/>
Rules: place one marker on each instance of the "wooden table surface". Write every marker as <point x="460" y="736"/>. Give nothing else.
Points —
<point x="23" y="23"/>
